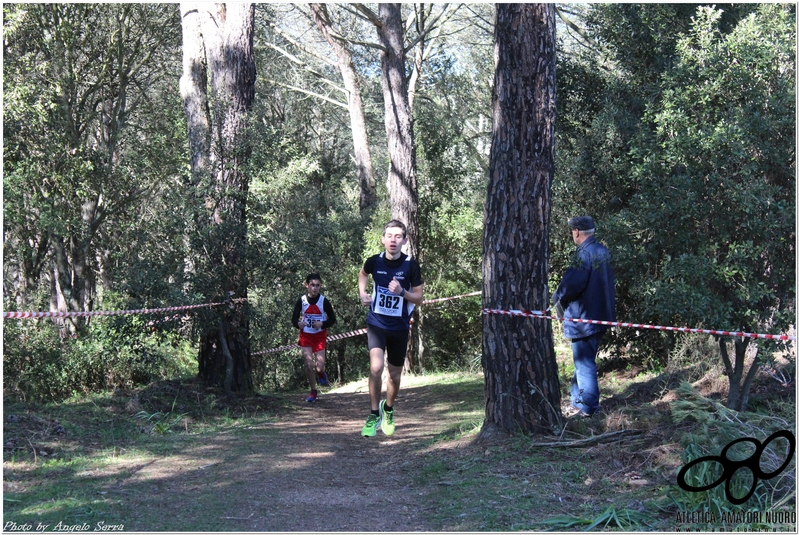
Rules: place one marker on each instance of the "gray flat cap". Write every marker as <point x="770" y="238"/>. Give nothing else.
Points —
<point x="582" y="222"/>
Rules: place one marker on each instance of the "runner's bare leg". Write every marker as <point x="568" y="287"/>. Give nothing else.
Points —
<point x="375" y="377"/>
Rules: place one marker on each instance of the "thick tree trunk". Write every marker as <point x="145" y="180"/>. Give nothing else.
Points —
<point x="218" y="48"/>
<point x="402" y="187"/>
<point x="521" y="380"/>
<point x="360" y="140"/>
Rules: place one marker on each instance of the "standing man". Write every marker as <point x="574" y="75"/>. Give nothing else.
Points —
<point x="312" y="315"/>
<point x="587" y="291"/>
<point x="396" y="290"/>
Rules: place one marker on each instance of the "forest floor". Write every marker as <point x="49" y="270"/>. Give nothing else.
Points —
<point x="171" y="457"/>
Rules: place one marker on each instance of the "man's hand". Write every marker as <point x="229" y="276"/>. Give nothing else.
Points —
<point x="394" y="286"/>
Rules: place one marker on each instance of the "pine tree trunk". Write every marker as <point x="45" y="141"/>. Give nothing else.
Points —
<point x="521" y="381"/>
<point x="218" y="48"/>
<point x="402" y="187"/>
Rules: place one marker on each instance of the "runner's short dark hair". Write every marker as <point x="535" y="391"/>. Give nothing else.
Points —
<point x="398" y="224"/>
<point x="313" y="277"/>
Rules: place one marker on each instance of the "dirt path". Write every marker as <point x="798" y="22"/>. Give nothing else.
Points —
<point x="327" y="477"/>
<point x="313" y="471"/>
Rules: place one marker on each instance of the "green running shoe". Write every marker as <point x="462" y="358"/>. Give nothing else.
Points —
<point x="387" y="419"/>
<point x="372" y="423"/>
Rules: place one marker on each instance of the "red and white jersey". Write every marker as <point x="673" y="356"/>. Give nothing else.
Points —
<point x="311" y="313"/>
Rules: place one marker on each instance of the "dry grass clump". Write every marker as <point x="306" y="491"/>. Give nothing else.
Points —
<point x="713" y="426"/>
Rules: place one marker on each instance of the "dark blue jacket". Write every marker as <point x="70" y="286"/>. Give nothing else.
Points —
<point x="587" y="290"/>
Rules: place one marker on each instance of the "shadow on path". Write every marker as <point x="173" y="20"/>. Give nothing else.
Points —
<point x="309" y="471"/>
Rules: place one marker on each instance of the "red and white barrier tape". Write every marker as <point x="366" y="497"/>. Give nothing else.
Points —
<point x="541" y="314"/>
<point x="442" y="299"/>
<point x="359" y="331"/>
<point x="275" y="349"/>
<point x="346" y="335"/>
<point x="295" y="346"/>
<point x="56" y="314"/>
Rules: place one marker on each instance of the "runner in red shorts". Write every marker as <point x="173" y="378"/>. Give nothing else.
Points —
<point x="312" y="315"/>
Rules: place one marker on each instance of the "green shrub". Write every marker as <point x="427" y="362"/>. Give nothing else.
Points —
<point x="112" y="352"/>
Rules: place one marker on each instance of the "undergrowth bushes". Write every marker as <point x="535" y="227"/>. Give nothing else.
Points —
<point x="39" y="365"/>
<point x="695" y="356"/>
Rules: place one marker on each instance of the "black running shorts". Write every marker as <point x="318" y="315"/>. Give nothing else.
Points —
<point x="394" y="343"/>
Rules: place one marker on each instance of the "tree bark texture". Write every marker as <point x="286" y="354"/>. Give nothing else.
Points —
<point x="360" y="139"/>
<point x="521" y="380"/>
<point x="402" y="187"/>
<point x="194" y="93"/>
<point x="218" y="90"/>
<point x="740" y="382"/>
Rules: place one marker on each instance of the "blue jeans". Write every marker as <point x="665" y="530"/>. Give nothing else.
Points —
<point x="585" y="386"/>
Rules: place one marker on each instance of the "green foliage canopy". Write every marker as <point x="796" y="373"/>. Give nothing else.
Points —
<point x="715" y="210"/>
<point x="678" y="133"/>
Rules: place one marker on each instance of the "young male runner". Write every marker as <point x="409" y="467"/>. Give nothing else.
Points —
<point x="397" y="288"/>
<point x="312" y="315"/>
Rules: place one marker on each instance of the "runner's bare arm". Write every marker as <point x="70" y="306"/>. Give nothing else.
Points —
<point x="363" y="280"/>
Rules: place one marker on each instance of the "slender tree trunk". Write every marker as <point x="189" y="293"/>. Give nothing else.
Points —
<point x="341" y="352"/>
<point x="414" y="360"/>
<point x="68" y="285"/>
<point x="218" y="53"/>
<point x="360" y="140"/>
<point x="415" y="354"/>
<point x="418" y="53"/>
<point x="521" y="380"/>
<point x="740" y="382"/>
<point x="402" y="187"/>
<point x="33" y="260"/>
<point x="74" y="274"/>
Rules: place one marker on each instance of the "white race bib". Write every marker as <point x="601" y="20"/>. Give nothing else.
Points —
<point x="388" y="303"/>
<point x="309" y="319"/>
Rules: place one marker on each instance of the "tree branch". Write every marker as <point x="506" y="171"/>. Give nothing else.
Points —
<point x="489" y="25"/>
<point x="307" y="67"/>
<point x="299" y="45"/>
<point x="725" y="357"/>
<point x="311" y="93"/>
<point x="366" y="44"/>
<point x="590" y="441"/>
<point x="369" y="14"/>
<point x="574" y="27"/>
<point x="431" y="26"/>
